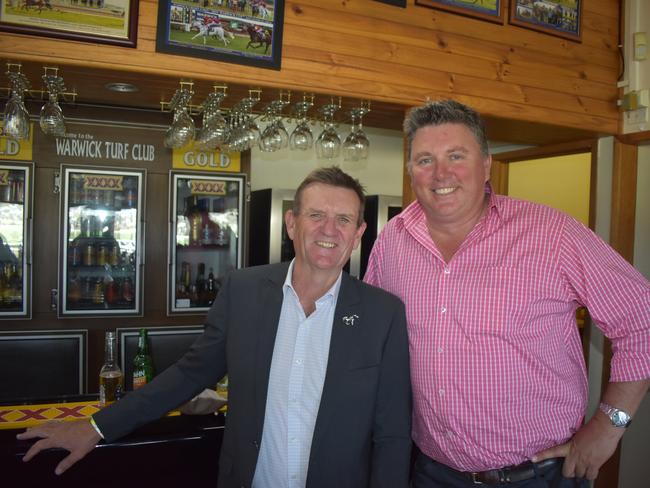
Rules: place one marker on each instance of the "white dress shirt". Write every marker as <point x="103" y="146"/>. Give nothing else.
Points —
<point x="295" y="385"/>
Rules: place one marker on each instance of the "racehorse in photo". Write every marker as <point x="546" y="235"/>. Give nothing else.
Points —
<point x="259" y="37"/>
<point x="39" y="4"/>
<point x="211" y="30"/>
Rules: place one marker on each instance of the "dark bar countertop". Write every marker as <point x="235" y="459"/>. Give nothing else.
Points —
<point x="176" y="450"/>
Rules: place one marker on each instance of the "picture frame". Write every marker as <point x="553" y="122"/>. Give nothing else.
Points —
<point x="395" y="3"/>
<point x="219" y="30"/>
<point x="490" y="10"/>
<point x="553" y="17"/>
<point x="101" y="21"/>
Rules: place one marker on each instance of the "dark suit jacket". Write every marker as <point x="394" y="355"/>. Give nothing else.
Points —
<point x="362" y="432"/>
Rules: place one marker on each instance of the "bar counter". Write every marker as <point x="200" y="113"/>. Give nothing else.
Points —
<point x="177" y="450"/>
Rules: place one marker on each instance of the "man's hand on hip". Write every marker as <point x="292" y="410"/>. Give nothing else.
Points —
<point x="588" y="450"/>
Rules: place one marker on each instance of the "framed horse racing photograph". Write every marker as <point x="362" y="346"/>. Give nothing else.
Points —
<point x="102" y="21"/>
<point x="234" y="31"/>
<point x="490" y="10"/>
<point x="557" y="17"/>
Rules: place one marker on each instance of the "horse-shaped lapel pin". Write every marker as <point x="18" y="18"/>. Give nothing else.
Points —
<point x="349" y="319"/>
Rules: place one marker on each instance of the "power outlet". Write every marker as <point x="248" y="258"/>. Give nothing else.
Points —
<point x="638" y="116"/>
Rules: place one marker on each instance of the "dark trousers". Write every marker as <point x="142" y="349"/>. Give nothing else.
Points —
<point x="428" y="473"/>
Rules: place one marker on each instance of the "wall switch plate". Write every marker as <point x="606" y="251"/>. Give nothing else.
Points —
<point x="638" y="116"/>
<point x="640" y="46"/>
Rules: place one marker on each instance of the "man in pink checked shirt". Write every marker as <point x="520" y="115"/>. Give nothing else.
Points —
<point x="491" y="285"/>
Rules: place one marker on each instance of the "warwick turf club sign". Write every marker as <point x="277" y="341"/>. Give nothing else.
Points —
<point x="85" y="143"/>
<point x="128" y="146"/>
<point x="85" y="146"/>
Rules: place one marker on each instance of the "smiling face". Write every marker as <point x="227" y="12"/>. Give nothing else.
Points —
<point x="326" y="230"/>
<point x="448" y="174"/>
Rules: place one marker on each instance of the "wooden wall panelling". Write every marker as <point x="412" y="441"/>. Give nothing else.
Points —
<point x="499" y="175"/>
<point x="624" y="199"/>
<point x="637" y="138"/>
<point x="402" y="56"/>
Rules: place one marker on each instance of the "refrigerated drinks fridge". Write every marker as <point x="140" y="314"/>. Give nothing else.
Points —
<point x="15" y="239"/>
<point x="206" y="237"/>
<point x="102" y="213"/>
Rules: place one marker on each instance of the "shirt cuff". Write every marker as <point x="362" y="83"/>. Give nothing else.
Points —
<point x="92" y="422"/>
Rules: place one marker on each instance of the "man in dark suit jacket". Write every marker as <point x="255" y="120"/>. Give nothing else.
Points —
<point x="359" y="432"/>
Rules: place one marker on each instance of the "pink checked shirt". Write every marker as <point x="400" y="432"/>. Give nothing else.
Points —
<point x="496" y="360"/>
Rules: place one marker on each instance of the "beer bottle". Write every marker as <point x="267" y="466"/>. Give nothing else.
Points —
<point x="195" y="219"/>
<point x="4" y="285"/>
<point x="222" y="387"/>
<point x="200" y="283"/>
<point x="142" y="363"/>
<point x="211" y="287"/>
<point x="111" y="379"/>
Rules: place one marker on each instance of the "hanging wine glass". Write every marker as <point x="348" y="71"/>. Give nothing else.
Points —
<point x="275" y="136"/>
<point x="252" y="132"/>
<point x="244" y="131"/>
<point x="215" y="130"/>
<point x="182" y="129"/>
<point x="271" y="140"/>
<point x="301" y="137"/>
<point x="328" y="143"/>
<point x="356" y="144"/>
<point x="350" y="152"/>
<point x="16" y="116"/>
<point x="282" y="133"/>
<point x="51" y="117"/>
<point x="362" y="141"/>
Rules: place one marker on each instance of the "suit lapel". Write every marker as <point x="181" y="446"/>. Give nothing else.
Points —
<point x="269" y="316"/>
<point x="348" y="321"/>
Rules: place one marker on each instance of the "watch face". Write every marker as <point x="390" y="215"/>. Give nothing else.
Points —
<point x="620" y="418"/>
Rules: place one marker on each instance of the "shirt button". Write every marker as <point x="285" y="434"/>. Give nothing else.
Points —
<point x="449" y="433"/>
<point x="443" y="309"/>
<point x="294" y="477"/>
<point x="447" y="271"/>
<point x="298" y="361"/>
<point x="293" y="439"/>
<point x="441" y="392"/>
<point x="440" y="349"/>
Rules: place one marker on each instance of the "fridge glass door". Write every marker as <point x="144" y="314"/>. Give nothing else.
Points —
<point x="206" y="237"/>
<point x="102" y="241"/>
<point x="15" y="245"/>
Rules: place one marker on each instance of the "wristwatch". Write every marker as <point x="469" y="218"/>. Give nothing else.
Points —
<point x="618" y="417"/>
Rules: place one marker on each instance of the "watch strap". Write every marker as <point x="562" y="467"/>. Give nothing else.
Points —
<point x="618" y="417"/>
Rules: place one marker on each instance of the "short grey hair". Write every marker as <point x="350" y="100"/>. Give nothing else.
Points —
<point x="445" y="112"/>
<point x="333" y="176"/>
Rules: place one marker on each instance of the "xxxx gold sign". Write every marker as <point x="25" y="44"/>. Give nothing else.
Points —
<point x="211" y="187"/>
<point x="102" y="182"/>
<point x="17" y="150"/>
<point x="189" y="157"/>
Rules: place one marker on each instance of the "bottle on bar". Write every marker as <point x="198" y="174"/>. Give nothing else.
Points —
<point x="142" y="363"/>
<point x="200" y="284"/>
<point x="195" y="219"/>
<point x="111" y="379"/>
